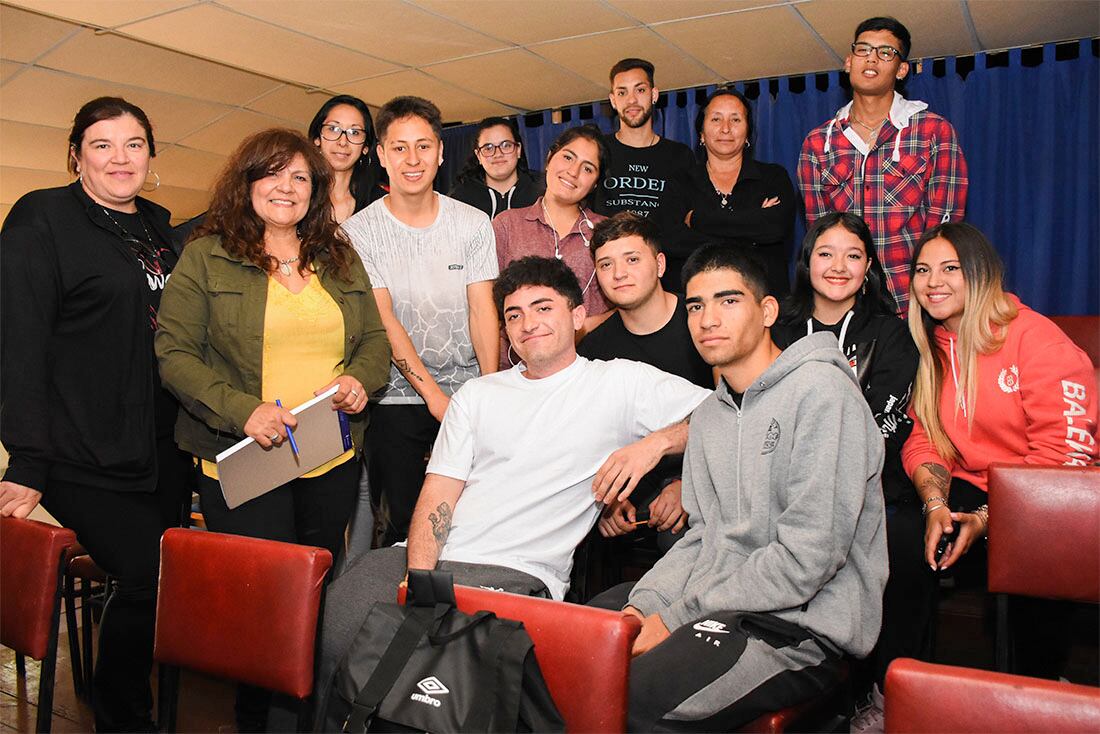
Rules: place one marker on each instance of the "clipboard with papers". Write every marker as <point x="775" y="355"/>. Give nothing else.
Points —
<point x="246" y="470"/>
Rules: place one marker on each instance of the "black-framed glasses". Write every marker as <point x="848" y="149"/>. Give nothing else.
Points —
<point x="506" y="147"/>
<point x="886" y="53"/>
<point x="355" y="135"/>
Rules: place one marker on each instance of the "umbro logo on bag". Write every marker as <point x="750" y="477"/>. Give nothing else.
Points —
<point x="430" y="686"/>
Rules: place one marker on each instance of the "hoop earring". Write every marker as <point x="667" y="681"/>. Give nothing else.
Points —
<point x="156" y="182"/>
<point x="748" y="143"/>
<point x="865" y="278"/>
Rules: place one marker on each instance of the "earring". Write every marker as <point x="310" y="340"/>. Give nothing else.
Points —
<point x="864" y="285"/>
<point x="156" y="182"/>
<point x="748" y="144"/>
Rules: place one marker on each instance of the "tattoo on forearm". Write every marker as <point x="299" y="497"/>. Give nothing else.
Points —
<point x="939" y="481"/>
<point x="441" y="524"/>
<point x="403" y="365"/>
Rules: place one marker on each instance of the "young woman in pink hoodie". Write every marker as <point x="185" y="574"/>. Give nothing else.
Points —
<point x="996" y="382"/>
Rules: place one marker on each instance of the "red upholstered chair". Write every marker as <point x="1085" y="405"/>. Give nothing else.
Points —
<point x="92" y="592"/>
<point x="239" y="608"/>
<point x="1084" y="331"/>
<point x="1044" y="537"/>
<point x="33" y="560"/>
<point x="584" y="653"/>
<point x="922" y="697"/>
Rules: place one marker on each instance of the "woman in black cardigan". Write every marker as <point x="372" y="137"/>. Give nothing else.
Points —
<point x="83" y="416"/>
<point x="732" y="198"/>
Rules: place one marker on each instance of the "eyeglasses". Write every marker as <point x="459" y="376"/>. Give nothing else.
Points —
<point x="506" y="147"/>
<point x="355" y="135"/>
<point x="886" y="53"/>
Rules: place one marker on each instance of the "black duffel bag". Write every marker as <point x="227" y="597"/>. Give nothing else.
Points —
<point x="428" y="667"/>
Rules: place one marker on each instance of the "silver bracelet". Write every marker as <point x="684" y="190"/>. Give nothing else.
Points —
<point x="925" y="508"/>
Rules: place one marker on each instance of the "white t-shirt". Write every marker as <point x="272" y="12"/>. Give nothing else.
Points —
<point x="426" y="271"/>
<point x="529" y="449"/>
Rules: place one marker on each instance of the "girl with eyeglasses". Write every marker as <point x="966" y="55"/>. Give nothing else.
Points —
<point x="344" y="132"/>
<point x="495" y="177"/>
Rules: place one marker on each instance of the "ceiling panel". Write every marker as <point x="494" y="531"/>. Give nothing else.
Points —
<point x="221" y="35"/>
<point x="8" y="69"/>
<point x="529" y="22"/>
<point x="554" y="86"/>
<point x="224" y="135"/>
<point x="24" y="36"/>
<point x="657" y="11"/>
<point x="108" y="56"/>
<point x="14" y="182"/>
<point x="370" y="28"/>
<point x="183" y="203"/>
<point x="593" y="58"/>
<point x="1008" y="23"/>
<point x="183" y="167"/>
<point x="172" y="116"/>
<point x="737" y="49"/>
<point x="290" y="103"/>
<point x="33" y="146"/>
<point x="938" y="29"/>
<point x="453" y="103"/>
<point x="104" y="13"/>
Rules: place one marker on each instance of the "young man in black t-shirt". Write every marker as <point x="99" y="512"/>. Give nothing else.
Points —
<point x="648" y="325"/>
<point x="645" y="170"/>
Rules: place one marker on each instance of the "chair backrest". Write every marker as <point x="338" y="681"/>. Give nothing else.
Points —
<point x="240" y="608"/>
<point x="1084" y="331"/>
<point x="922" y="697"/>
<point x="1044" y="531"/>
<point x="32" y="557"/>
<point x="583" y="652"/>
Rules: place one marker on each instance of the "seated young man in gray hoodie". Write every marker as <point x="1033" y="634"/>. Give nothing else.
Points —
<point x="783" y="569"/>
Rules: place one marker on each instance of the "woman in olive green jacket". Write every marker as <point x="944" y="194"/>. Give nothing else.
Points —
<point x="271" y="302"/>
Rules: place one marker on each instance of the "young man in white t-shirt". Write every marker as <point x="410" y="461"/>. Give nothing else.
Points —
<point x="525" y="459"/>
<point x="431" y="262"/>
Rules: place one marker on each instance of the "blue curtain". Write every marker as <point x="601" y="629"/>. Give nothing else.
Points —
<point x="1028" y="127"/>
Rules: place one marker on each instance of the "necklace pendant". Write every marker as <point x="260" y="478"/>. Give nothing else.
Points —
<point x="724" y="201"/>
<point x="284" y="268"/>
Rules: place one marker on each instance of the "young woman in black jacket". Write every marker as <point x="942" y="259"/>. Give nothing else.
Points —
<point x="495" y="177"/>
<point x="83" y="416"/>
<point x="840" y="287"/>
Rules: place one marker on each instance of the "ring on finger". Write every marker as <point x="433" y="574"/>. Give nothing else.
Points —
<point x="274" y="437"/>
<point x="355" y="393"/>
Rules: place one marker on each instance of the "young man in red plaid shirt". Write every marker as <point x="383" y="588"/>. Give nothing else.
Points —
<point x="884" y="157"/>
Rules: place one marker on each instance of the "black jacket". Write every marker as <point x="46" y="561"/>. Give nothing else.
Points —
<point x="885" y="359"/>
<point x="77" y="377"/>
<point x="526" y="192"/>
<point x="767" y="232"/>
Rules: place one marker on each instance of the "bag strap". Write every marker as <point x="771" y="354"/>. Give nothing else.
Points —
<point x="393" y="661"/>
<point x="480" y="716"/>
<point x="475" y="619"/>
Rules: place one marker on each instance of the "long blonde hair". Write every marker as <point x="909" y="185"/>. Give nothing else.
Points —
<point x="987" y="311"/>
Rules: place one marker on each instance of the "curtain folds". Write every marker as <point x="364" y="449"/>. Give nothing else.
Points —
<point x="1029" y="130"/>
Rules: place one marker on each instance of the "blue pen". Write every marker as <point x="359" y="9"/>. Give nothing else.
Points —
<point x="289" y="433"/>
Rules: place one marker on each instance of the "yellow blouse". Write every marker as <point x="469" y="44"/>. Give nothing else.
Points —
<point x="303" y="350"/>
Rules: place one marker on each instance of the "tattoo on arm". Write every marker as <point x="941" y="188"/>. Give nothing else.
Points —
<point x="441" y="524"/>
<point x="939" y="481"/>
<point x="403" y="365"/>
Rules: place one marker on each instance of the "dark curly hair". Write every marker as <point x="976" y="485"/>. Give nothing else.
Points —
<point x="532" y="270"/>
<point x="232" y="217"/>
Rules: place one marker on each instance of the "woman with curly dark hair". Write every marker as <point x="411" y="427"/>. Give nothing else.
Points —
<point x="270" y="301"/>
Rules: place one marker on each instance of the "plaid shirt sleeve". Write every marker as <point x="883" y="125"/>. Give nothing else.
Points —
<point x="809" y="176"/>
<point x="947" y="186"/>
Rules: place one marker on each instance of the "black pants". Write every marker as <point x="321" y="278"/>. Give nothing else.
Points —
<point x="121" y="531"/>
<point x="723" y="670"/>
<point x="912" y="596"/>
<point x="306" y="511"/>
<point x="399" y="439"/>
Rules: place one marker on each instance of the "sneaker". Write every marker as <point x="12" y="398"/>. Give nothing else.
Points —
<point x="870" y="719"/>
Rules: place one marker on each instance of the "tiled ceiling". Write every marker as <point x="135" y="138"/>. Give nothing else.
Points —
<point x="209" y="72"/>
